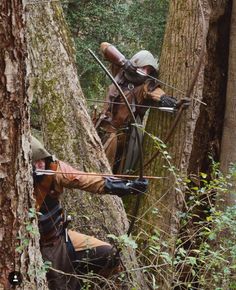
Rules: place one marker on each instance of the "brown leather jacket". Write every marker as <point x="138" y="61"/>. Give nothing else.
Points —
<point x="117" y="115"/>
<point x="113" y="123"/>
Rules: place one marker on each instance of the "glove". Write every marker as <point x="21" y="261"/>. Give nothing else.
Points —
<point x="138" y="186"/>
<point x="121" y="187"/>
<point x="185" y="102"/>
<point x="128" y="67"/>
<point x="168" y="101"/>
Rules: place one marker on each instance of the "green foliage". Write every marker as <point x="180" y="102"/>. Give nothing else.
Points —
<point x="130" y="26"/>
<point x="31" y="231"/>
<point x="91" y="23"/>
<point x="38" y="270"/>
<point x="123" y="241"/>
<point x="204" y="252"/>
<point x="148" y="20"/>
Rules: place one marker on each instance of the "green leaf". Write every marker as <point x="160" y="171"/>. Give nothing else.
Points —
<point x="203" y="175"/>
<point x="209" y="218"/>
<point x="192" y="260"/>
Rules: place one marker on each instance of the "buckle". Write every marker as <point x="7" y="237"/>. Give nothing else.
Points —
<point x="130" y="86"/>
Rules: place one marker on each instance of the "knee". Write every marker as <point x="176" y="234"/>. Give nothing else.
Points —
<point x="113" y="257"/>
<point x="99" y="259"/>
<point x="113" y="262"/>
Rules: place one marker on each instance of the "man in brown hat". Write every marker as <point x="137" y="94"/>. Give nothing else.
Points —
<point x="136" y="78"/>
<point x="69" y="251"/>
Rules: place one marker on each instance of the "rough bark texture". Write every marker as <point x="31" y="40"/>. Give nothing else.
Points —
<point x="181" y="50"/>
<point x="15" y="170"/>
<point x="207" y="136"/>
<point x="199" y="129"/>
<point x="66" y="125"/>
<point x="228" y="152"/>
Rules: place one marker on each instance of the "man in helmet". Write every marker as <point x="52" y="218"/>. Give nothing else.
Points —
<point x="69" y="251"/>
<point x="114" y="123"/>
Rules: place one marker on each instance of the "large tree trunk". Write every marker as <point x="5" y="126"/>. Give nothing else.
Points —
<point x="199" y="129"/>
<point x="226" y="200"/>
<point x="228" y="151"/>
<point x="19" y="249"/>
<point x="66" y="125"/>
<point x="180" y="55"/>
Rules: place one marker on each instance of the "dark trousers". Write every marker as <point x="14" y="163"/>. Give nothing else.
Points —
<point x="102" y="260"/>
<point x="97" y="260"/>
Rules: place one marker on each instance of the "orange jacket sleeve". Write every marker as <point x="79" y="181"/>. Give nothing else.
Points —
<point x="72" y="178"/>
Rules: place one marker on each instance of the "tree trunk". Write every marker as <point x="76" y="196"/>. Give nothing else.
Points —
<point x="19" y="248"/>
<point x="226" y="200"/>
<point x="228" y="152"/>
<point x="66" y="125"/>
<point x="199" y="130"/>
<point x="180" y="55"/>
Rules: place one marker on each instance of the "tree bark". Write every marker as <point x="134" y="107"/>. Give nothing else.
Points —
<point x="19" y="248"/>
<point x="227" y="200"/>
<point x="67" y="128"/>
<point x="180" y="55"/>
<point x="228" y="152"/>
<point x="199" y="130"/>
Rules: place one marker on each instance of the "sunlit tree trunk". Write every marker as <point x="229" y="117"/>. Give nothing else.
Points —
<point x="198" y="132"/>
<point x="180" y="55"/>
<point x="67" y="129"/>
<point x="19" y="248"/>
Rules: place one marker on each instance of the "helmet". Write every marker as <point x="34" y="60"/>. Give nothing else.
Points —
<point x="143" y="58"/>
<point x="38" y="150"/>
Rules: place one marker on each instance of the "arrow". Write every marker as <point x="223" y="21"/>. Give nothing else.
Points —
<point x="166" y="109"/>
<point x="39" y="172"/>
<point x="163" y="83"/>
